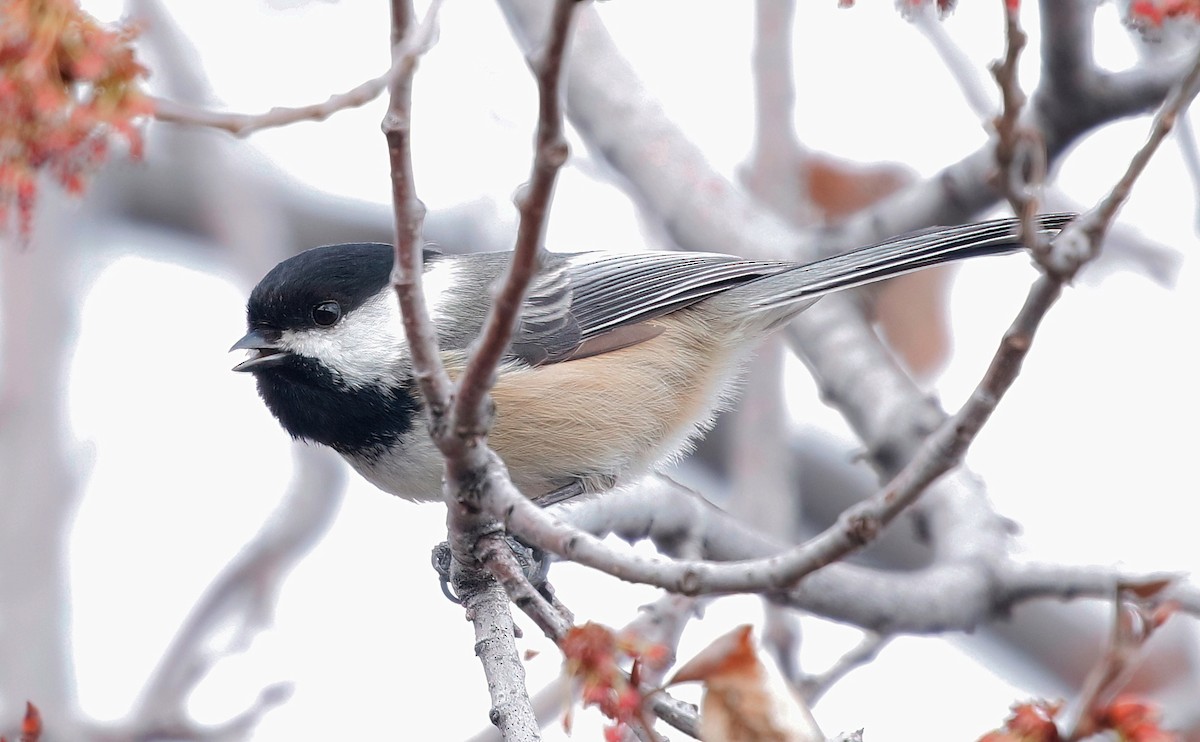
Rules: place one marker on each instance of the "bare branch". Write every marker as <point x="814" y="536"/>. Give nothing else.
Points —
<point x="661" y="622"/>
<point x="925" y="18"/>
<point x="235" y="729"/>
<point x="497" y="558"/>
<point x="856" y="527"/>
<point x="1067" y="45"/>
<point x="1135" y="620"/>
<point x="495" y="645"/>
<point x="243" y="594"/>
<point x="548" y="704"/>
<point x="485" y="600"/>
<point x="409" y="213"/>
<point x="245" y="124"/>
<point x="1074" y="95"/>
<point x="781" y="635"/>
<point x="470" y="465"/>
<point x="550" y="153"/>
<point x="38" y="310"/>
<point x="1079" y="245"/>
<point x="1020" y="151"/>
<point x="1164" y="120"/>
<point x="966" y="590"/>
<point x="777" y="170"/>
<point x="682" y="715"/>
<point x="1125" y="248"/>
<point x="815" y="686"/>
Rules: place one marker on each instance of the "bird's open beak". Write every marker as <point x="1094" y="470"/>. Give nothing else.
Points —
<point x="263" y="352"/>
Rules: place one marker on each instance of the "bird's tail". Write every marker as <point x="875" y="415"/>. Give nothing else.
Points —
<point x="791" y="290"/>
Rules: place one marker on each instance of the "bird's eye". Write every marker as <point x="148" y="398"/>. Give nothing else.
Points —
<point x="326" y="313"/>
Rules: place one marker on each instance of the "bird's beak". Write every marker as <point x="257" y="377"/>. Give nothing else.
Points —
<point x="264" y="352"/>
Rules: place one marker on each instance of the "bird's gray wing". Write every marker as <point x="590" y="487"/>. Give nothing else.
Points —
<point x="589" y="303"/>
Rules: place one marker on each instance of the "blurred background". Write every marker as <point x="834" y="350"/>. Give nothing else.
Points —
<point x="135" y="466"/>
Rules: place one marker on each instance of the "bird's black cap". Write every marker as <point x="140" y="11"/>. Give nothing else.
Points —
<point x="349" y="274"/>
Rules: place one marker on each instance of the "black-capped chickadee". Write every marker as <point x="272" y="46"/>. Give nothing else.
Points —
<point x="619" y="360"/>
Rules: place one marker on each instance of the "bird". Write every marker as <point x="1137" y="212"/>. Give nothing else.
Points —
<point x="618" y="363"/>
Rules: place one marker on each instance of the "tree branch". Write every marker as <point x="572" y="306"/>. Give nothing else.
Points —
<point x="511" y="712"/>
<point x="925" y="18"/>
<point x="958" y="593"/>
<point x="409" y="212"/>
<point x="243" y="594"/>
<point x="473" y="472"/>
<point x="533" y="203"/>
<point x="815" y="686"/>
<point x="245" y="124"/>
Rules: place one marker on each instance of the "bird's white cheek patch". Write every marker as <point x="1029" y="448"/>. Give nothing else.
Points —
<point x="367" y="346"/>
<point x="364" y="348"/>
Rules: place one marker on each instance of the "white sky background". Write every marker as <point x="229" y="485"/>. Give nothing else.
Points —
<point x="1090" y="452"/>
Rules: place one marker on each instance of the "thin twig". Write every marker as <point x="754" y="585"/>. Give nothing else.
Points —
<point x="1177" y="101"/>
<point x="1136" y="618"/>
<point x="460" y="415"/>
<point x="245" y="124"/>
<point x="925" y="18"/>
<point x="857" y="527"/>
<point x="243" y="594"/>
<point x="945" y="448"/>
<point x="533" y="203"/>
<point x="419" y="331"/>
<point x="960" y="595"/>
<point x="497" y="558"/>
<point x="473" y="473"/>
<point x="1020" y="150"/>
<point x="486" y="602"/>
<point x="867" y="649"/>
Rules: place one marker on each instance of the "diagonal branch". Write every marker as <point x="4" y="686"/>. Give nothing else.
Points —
<point x="533" y="203"/>
<point x="460" y="415"/>
<point x="474" y="473"/>
<point x="245" y="124"/>
<point x="925" y="18"/>
<point x="410" y="212"/>
<point x="243" y="594"/>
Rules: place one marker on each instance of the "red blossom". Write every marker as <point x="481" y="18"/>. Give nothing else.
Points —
<point x="1028" y="722"/>
<point x="1152" y="14"/>
<point x="31" y="725"/>
<point x="593" y="655"/>
<point x="1135" y="721"/>
<point x="68" y="87"/>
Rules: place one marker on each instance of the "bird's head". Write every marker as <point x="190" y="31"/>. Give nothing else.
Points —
<point x="325" y="344"/>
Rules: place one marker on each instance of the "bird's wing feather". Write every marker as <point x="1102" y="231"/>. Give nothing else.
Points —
<point x="591" y="303"/>
<point x="577" y="305"/>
